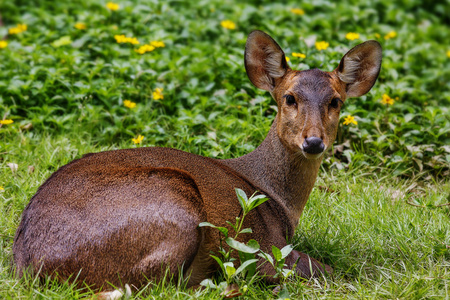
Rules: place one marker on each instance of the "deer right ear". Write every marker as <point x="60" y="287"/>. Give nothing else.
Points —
<point x="359" y="68"/>
<point x="265" y="62"/>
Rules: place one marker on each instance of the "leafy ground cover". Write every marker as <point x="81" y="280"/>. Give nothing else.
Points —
<point x="74" y="80"/>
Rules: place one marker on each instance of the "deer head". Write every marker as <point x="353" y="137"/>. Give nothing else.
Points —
<point x="309" y="102"/>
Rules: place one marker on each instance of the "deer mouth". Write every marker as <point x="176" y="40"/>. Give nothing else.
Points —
<point x="312" y="156"/>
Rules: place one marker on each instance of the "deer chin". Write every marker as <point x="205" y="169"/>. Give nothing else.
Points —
<point x="311" y="156"/>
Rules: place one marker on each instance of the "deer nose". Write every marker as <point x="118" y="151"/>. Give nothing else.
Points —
<point x="313" y="145"/>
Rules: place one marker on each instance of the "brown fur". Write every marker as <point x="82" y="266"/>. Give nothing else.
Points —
<point x="126" y="216"/>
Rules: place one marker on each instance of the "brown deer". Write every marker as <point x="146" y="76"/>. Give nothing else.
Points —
<point x="127" y="216"/>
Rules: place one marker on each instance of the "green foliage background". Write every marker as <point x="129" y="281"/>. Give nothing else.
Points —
<point x="66" y="99"/>
<point x="80" y="87"/>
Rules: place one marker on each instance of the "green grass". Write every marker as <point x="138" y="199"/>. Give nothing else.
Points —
<point x="378" y="245"/>
<point x="67" y="100"/>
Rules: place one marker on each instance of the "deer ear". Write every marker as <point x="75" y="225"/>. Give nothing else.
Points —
<point x="265" y="62"/>
<point x="359" y="68"/>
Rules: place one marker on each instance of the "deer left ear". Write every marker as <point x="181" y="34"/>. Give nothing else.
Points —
<point x="359" y="68"/>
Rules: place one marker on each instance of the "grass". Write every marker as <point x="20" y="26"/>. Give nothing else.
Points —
<point x="374" y="215"/>
<point x="379" y="246"/>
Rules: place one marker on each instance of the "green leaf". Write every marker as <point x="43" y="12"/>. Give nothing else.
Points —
<point x="246" y="230"/>
<point x="253" y="243"/>
<point x="242" y="198"/>
<point x="230" y="270"/>
<point x="266" y="257"/>
<point x="287" y="272"/>
<point x="251" y="270"/>
<point x="284" y="293"/>
<point x="245" y="265"/>
<point x="222" y="286"/>
<point x="231" y="224"/>
<point x="81" y="41"/>
<point x="208" y="283"/>
<point x="286" y="250"/>
<point x="276" y="253"/>
<point x="219" y="261"/>
<point x="63" y="41"/>
<point x="241" y="246"/>
<point x="243" y="256"/>
<point x="223" y="230"/>
<point x="206" y="224"/>
<point x="256" y="201"/>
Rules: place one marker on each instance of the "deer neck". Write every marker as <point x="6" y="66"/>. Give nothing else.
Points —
<point x="285" y="177"/>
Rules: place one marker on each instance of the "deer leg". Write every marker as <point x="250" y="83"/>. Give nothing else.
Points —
<point x="307" y="266"/>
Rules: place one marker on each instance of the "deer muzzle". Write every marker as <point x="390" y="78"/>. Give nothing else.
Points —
<point x="313" y="146"/>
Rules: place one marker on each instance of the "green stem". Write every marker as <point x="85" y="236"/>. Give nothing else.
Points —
<point x="240" y="224"/>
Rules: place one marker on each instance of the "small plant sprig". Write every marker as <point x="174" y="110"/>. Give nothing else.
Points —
<point x="247" y="267"/>
<point x="282" y="270"/>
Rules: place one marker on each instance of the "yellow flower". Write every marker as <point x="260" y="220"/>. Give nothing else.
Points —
<point x="297" y="11"/>
<point x="14" y="30"/>
<point x="287" y="59"/>
<point x="6" y="122"/>
<point x="150" y="47"/>
<point x="1" y="188"/>
<point x="392" y="34"/>
<point x="121" y="39"/>
<point x="129" y="104"/>
<point x="227" y="24"/>
<point x="133" y="41"/>
<point x="387" y="100"/>
<point x="300" y="55"/>
<point x="80" y="26"/>
<point x="157" y="94"/>
<point x="377" y="35"/>
<point x="138" y="140"/>
<point x="448" y="52"/>
<point x="3" y="44"/>
<point x="112" y="6"/>
<point x="157" y="44"/>
<point x="350" y="120"/>
<point x="322" y="45"/>
<point x="352" y="36"/>
<point x="145" y="48"/>
<point x="18" y="29"/>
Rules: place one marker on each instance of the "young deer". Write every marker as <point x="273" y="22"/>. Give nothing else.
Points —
<point x="125" y="216"/>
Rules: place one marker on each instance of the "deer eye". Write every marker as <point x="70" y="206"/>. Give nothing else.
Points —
<point x="290" y="100"/>
<point x="335" y="102"/>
